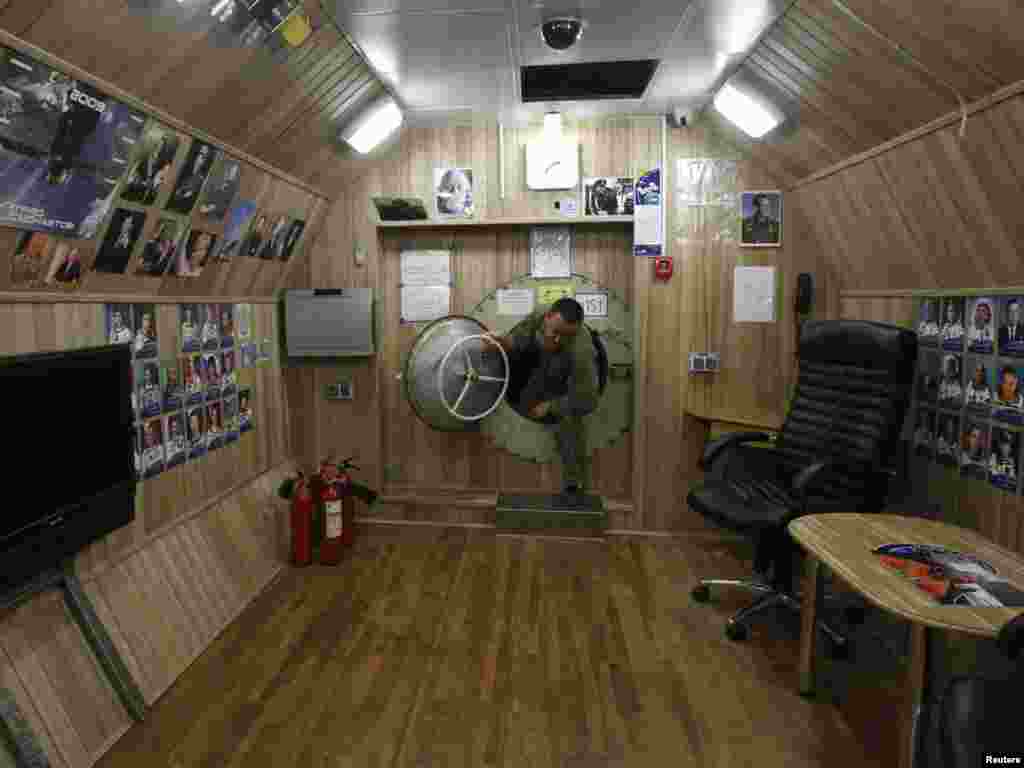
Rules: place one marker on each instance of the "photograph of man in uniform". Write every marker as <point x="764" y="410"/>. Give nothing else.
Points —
<point x="119" y="323"/>
<point x="158" y="253"/>
<point x="221" y="188"/>
<point x="150" y="396"/>
<point x="978" y="393"/>
<point x="295" y="230"/>
<point x="145" y="344"/>
<point x="1002" y="463"/>
<point x="211" y="367"/>
<point x="762" y="218"/>
<point x="980" y="333"/>
<point x="175" y="444"/>
<point x="928" y="327"/>
<point x="197" y="167"/>
<point x="952" y="324"/>
<point x="30" y="254"/>
<point x="230" y="420"/>
<point x="951" y="392"/>
<point x="65" y="266"/>
<point x="554" y="380"/>
<point x="190" y="327"/>
<point x="253" y="246"/>
<point x="196" y="433"/>
<point x="924" y="435"/>
<point x="152" y="170"/>
<point x="211" y="327"/>
<point x="244" y="410"/>
<point x="63" y="146"/>
<point x="947" y="444"/>
<point x="974" y="456"/>
<point x="227" y="326"/>
<point x="239" y="216"/>
<point x="152" y="449"/>
<point x="1011" y="332"/>
<point x="229" y="378"/>
<point x="195" y="383"/>
<point x="214" y="426"/>
<point x="122" y="233"/>
<point x="174" y="391"/>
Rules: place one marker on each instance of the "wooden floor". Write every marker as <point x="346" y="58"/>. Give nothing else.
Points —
<point x="456" y="647"/>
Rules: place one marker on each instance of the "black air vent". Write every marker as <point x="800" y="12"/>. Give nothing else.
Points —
<point x="587" y="81"/>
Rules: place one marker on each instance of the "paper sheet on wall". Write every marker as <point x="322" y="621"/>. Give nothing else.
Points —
<point x="753" y="295"/>
<point x="423" y="303"/>
<point x="549" y="293"/>
<point x="515" y="301"/>
<point x="426" y="268"/>
<point x="647" y="230"/>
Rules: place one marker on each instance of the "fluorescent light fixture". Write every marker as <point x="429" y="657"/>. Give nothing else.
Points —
<point x="379" y="122"/>
<point x="552" y="128"/>
<point x="215" y="11"/>
<point x="739" y="108"/>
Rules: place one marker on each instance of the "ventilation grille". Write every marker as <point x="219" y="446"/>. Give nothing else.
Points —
<point x="587" y="81"/>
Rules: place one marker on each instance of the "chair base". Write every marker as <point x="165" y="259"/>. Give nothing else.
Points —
<point x="768" y="597"/>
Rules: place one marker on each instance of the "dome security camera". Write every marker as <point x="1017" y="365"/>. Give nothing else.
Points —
<point x="562" y="33"/>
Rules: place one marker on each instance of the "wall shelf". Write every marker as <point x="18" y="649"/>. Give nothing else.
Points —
<point x="444" y="223"/>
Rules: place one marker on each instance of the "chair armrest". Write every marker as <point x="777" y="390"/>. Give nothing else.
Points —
<point x="803" y="479"/>
<point x="715" y="447"/>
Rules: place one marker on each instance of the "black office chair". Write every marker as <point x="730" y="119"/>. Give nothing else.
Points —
<point x="835" y="453"/>
<point x="979" y="716"/>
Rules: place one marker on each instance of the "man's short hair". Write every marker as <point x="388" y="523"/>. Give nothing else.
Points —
<point x="570" y="310"/>
<point x="1012" y="303"/>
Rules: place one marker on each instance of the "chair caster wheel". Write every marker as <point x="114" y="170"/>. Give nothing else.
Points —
<point x="701" y="593"/>
<point x="736" y="632"/>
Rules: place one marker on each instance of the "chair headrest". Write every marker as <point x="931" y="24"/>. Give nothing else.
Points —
<point x="858" y="343"/>
<point x="1011" y="637"/>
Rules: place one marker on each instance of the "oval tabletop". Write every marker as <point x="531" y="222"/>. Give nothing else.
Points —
<point x="844" y="542"/>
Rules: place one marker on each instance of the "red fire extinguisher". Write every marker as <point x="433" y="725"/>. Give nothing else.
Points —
<point x="338" y="511"/>
<point x="302" y="522"/>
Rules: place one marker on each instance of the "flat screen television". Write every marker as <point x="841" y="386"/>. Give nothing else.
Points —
<point x="70" y="456"/>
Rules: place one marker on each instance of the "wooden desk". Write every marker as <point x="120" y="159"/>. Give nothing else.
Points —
<point x="843" y="542"/>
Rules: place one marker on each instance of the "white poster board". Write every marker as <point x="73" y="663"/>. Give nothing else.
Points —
<point x="426" y="268"/>
<point x="647" y="215"/>
<point x="515" y="301"/>
<point x="423" y="303"/>
<point x="753" y="298"/>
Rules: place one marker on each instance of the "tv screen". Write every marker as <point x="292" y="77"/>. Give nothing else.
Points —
<point x="72" y="439"/>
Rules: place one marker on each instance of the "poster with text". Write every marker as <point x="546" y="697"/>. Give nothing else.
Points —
<point x="64" y="147"/>
<point x="236" y="229"/>
<point x="295" y="230"/>
<point x="194" y="254"/>
<point x="221" y="188"/>
<point x="258" y="233"/>
<point x="1011" y="326"/>
<point x="119" y="323"/>
<point x="145" y="344"/>
<point x="157" y="254"/>
<point x="150" y="172"/>
<point x="980" y="325"/>
<point x="952" y="328"/>
<point x="273" y="247"/>
<point x="175" y="441"/>
<point x="198" y="163"/>
<point x="123" y="233"/>
<point x="647" y="215"/>
<point x="32" y="252"/>
<point x="929" y="371"/>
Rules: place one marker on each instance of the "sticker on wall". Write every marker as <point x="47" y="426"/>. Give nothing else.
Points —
<point x="197" y="166"/>
<point x="151" y="172"/>
<point x="175" y="443"/>
<point x="1004" y="459"/>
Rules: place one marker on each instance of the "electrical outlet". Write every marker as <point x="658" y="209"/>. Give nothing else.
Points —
<point x="704" y="362"/>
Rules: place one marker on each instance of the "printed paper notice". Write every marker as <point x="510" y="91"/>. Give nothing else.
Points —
<point x="647" y="215"/>
<point x="426" y="268"/>
<point x="549" y="293"/>
<point x="423" y="303"/>
<point x="515" y="301"/>
<point x="754" y="295"/>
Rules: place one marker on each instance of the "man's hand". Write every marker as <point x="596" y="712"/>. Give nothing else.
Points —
<point x="540" y="410"/>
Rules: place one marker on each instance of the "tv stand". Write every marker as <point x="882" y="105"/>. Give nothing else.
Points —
<point x="27" y="752"/>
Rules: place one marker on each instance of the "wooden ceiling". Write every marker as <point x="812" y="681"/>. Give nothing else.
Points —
<point x="846" y="90"/>
<point x="283" y="106"/>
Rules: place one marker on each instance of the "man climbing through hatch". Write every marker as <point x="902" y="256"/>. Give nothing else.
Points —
<point x="553" y="379"/>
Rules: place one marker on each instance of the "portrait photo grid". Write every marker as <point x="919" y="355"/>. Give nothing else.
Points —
<point x="968" y="401"/>
<point x="186" y="396"/>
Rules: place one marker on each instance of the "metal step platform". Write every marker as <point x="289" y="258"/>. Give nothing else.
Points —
<point x="551" y="513"/>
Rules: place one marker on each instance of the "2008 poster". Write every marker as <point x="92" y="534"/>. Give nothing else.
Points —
<point x="64" y="146"/>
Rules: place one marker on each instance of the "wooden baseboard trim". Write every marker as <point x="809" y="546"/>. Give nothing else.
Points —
<point x="710" y="536"/>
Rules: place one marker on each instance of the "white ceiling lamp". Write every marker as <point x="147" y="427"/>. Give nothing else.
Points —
<point x="378" y="123"/>
<point x="751" y="117"/>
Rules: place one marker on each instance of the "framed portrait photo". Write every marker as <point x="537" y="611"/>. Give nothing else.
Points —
<point x="761" y="222"/>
